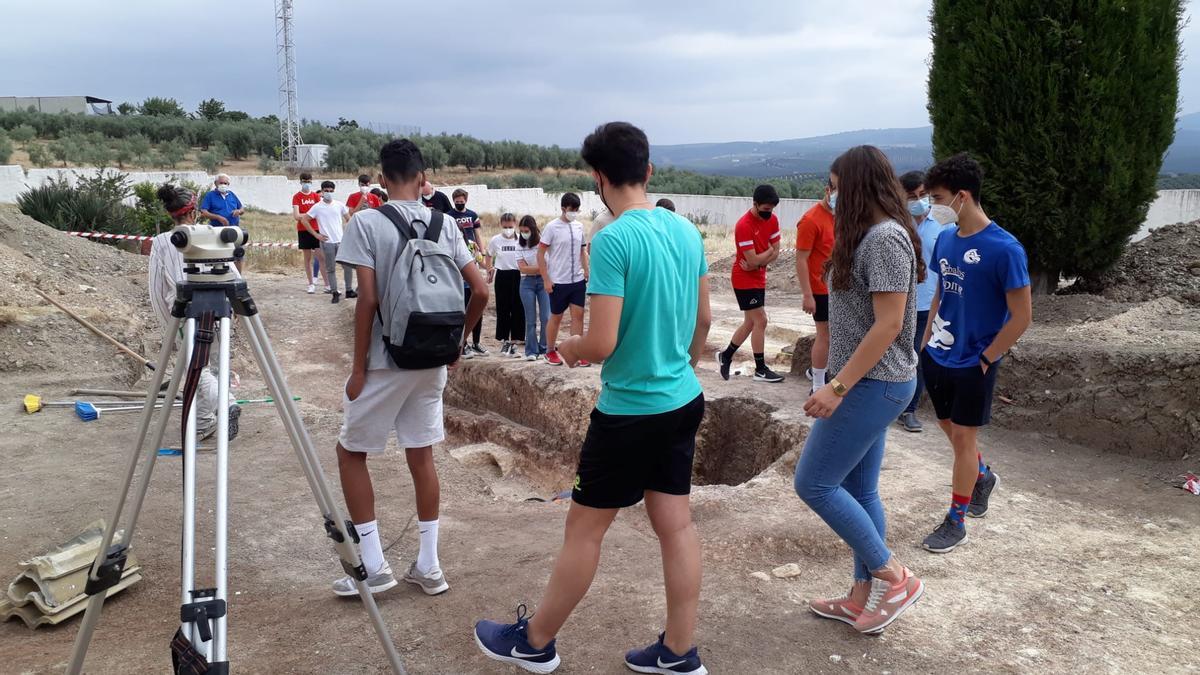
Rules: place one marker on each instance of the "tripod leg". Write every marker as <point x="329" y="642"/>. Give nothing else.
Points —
<point x="222" y="483"/>
<point x="311" y="463"/>
<point x="110" y="561"/>
<point x="187" y="578"/>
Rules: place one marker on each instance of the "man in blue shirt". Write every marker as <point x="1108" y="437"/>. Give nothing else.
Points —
<point x="221" y="206"/>
<point x="928" y="229"/>
<point x="982" y="306"/>
<point x="649" y="322"/>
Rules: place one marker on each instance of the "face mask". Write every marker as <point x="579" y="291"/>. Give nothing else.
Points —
<point x="461" y="207"/>
<point x="364" y="189"/>
<point x="222" y="188"/>
<point x="508" y="232"/>
<point x="306" y="187"/>
<point x="327" y="196"/>
<point x="524" y="236"/>
<point x="571" y="215"/>
<point x="833" y="201"/>
<point x="919" y="207"/>
<point x="765" y="215"/>
<point x="957" y="211"/>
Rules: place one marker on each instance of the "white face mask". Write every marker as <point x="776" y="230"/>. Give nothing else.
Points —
<point x="364" y="189"/>
<point x="571" y="215"/>
<point x="222" y="188"/>
<point x="524" y="236"/>
<point x="327" y="196"/>
<point x="306" y="187"/>
<point x="508" y="232"/>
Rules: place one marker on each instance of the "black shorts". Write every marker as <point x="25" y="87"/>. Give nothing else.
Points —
<point x="307" y="241"/>
<point x="625" y="455"/>
<point x="961" y="395"/>
<point x="750" y="298"/>
<point x="565" y="295"/>
<point x="822" y="311"/>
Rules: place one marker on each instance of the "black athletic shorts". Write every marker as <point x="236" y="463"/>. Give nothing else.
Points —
<point x="307" y="241"/>
<point x="961" y="395"/>
<point x="750" y="298"/>
<point x="565" y="295"/>
<point x="625" y="455"/>
<point x="822" y="311"/>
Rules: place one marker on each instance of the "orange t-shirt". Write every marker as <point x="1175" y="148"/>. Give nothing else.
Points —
<point x="814" y="233"/>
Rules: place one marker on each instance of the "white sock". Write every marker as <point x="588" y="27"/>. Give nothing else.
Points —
<point x="427" y="558"/>
<point x="369" y="547"/>
<point x="818" y="378"/>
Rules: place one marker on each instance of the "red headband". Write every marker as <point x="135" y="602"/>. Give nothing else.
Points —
<point x="183" y="210"/>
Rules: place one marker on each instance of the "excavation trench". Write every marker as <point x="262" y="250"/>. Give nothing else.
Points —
<point x="540" y="415"/>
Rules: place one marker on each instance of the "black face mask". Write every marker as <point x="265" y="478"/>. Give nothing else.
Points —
<point x="765" y="215"/>
<point x="461" y="207"/>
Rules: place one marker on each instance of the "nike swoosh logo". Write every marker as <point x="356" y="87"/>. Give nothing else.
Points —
<point x="669" y="665"/>
<point x="519" y="655"/>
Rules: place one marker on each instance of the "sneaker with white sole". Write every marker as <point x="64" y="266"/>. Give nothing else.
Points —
<point x="509" y="643"/>
<point x="767" y="375"/>
<point x="467" y="353"/>
<point x="888" y="601"/>
<point x="432" y="582"/>
<point x="531" y="357"/>
<point x="839" y="609"/>
<point x="658" y="658"/>
<point x="479" y="350"/>
<point x="312" y="289"/>
<point x="945" y="537"/>
<point x="376" y="583"/>
<point x="978" y="507"/>
<point x="724" y="363"/>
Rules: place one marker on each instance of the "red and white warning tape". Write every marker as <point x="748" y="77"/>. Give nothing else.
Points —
<point x="138" y="237"/>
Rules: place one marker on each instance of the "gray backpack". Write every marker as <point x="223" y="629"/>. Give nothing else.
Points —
<point x="425" y="298"/>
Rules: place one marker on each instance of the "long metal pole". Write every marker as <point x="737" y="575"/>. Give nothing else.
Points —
<point x="187" y="572"/>
<point x="222" y="508"/>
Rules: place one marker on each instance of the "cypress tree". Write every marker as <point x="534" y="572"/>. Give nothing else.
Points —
<point x="1070" y="106"/>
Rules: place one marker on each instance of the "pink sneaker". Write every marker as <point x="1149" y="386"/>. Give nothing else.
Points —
<point x="888" y="601"/>
<point x="839" y="609"/>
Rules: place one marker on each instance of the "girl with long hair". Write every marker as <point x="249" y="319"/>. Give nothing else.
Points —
<point x="533" y="292"/>
<point x="873" y="271"/>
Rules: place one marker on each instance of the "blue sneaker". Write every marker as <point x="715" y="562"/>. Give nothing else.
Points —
<point x="658" y="659"/>
<point x="507" y="643"/>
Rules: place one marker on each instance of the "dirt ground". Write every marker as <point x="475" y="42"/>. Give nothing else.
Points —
<point x="1086" y="562"/>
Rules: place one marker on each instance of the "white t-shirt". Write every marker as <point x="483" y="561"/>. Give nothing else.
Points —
<point x="329" y="218"/>
<point x="504" y="253"/>
<point x="529" y="257"/>
<point x="565" y="242"/>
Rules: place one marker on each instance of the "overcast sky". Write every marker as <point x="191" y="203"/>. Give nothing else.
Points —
<point x="539" y="71"/>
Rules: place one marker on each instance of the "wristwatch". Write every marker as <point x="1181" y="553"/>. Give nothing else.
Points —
<point x="838" y="388"/>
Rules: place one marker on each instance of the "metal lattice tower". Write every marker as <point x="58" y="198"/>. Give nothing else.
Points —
<point x="289" y="119"/>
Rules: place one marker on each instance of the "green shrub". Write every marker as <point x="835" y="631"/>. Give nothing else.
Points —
<point x="237" y="139"/>
<point x="524" y="180"/>
<point x="170" y="154"/>
<point x="267" y="164"/>
<point x="6" y="149"/>
<point x="39" y="156"/>
<point x="213" y="158"/>
<point x="22" y="134"/>
<point x="92" y="204"/>
<point x="157" y="106"/>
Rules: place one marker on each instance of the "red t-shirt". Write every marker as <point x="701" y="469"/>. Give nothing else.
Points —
<point x="814" y="233"/>
<point x="753" y="234"/>
<point x="305" y="202"/>
<point x="373" y="202"/>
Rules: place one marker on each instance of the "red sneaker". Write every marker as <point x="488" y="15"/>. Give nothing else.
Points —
<point x="843" y="609"/>
<point x="888" y="601"/>
<point x="554" y="359"/>
<point x="584" y="364"/>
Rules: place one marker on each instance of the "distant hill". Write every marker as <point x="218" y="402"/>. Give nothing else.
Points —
<point x="907" y="148"/>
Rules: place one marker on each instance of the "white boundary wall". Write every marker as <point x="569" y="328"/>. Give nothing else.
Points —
<point x="274" y="194"/>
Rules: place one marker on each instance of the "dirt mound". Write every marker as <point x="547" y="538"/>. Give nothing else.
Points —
<point x="104" y="285"/>
<point x="781" y="274"/>
<point x="1165" y="264"/>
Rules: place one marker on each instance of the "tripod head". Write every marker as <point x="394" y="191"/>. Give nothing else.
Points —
<point x="215" y="247"/>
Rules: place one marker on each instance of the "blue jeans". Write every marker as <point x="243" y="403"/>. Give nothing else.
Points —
<point x="838" y="472"/>
<point x="922" y="320"/>
<point x="537" y="307"/>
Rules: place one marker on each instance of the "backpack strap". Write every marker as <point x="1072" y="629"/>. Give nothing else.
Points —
<point x="434" y="230"/>
<point x="407" y="233"/>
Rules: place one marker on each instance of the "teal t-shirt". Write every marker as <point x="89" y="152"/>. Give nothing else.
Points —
<point x="654" y="260"/>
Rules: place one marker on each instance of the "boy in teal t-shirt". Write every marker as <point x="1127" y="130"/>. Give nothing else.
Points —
<point x="649" y="324"/>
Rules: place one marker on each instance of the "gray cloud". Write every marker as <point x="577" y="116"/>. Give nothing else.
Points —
<point x="535" y="70"/>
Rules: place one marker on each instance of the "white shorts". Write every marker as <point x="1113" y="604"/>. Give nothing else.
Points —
<point x="409" y="401"/>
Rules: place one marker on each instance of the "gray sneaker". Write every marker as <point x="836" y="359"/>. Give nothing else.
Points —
<point x="432" y="583"/>
<point x="978" y="507"/>
<point x="376" y="583"/>
<point x="910" y="422"/>
<point x="946" y="537"/>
